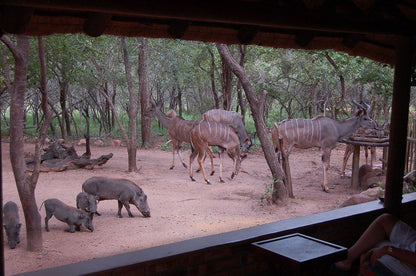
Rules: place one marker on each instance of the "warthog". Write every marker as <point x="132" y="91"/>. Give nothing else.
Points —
<point x="11" y="223"/>
<point x="124" y="191"/>
<point x="87" y="203"/>
<point x="65" y="213"/>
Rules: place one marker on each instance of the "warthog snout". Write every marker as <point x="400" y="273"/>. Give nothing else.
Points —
<point x="12" y="244"/>
<point x="146" y="214"/>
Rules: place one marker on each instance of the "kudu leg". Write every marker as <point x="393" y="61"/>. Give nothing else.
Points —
<point x="221" y="157"/>
<point x="325" y="166"/>
<point x="235" y="171"/>
<point x="180" y="157"/>
<point x="174" y="149"/>
<point x="200" y="159"/>
<point x="194" y="153"/>
<point x="347" y="154"/>
<point x="211" y="156"/>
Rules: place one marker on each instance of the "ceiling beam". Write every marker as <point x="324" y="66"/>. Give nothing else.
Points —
<point x="96" y="24"/>
<point x="177" y="29"/>
<point x="15" y="19"/>
<point x="304" y="38"/>
<point x="246" y="34"/>
<point x="262" y="14"/>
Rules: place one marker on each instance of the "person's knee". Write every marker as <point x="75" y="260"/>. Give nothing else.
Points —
<point x="387" y="220"/>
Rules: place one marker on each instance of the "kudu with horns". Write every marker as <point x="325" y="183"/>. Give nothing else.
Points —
<point x="231" y="118"/>
<point x="179" y="131"/>
<point x="205" y="134"/>
<point x="321" y="132"/>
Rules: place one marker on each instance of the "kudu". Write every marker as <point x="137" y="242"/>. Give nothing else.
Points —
<point x="376" y="131"/>
<point x="321" y="132"/>
<point x="205" y="134"/>
<point x="231" y="118"/>
<point x="179" y="132"/>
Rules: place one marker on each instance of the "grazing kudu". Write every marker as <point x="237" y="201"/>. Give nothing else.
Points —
<point x="205" y="134"/>
<point x="179" y="132"/>
<point x="232" y="118"/>
<point x="376" y="131"/>
<point x="321" y="132"/>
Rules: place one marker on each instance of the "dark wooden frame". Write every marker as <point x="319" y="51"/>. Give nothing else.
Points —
<point x="309" y="24"/>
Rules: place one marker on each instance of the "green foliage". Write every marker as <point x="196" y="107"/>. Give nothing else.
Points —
<point x="266" y="198"/>
<point x="183" y="75"/>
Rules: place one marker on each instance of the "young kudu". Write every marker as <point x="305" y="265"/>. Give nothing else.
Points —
<point x="179" y="131"/>
<point x="205" y="134"/>
<point x="231" y="118"/>
<point x="321" y="132"/>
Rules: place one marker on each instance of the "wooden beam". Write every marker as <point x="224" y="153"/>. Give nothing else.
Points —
<point x="262" y="14"/>
<point x="15" y="19"/>
<point x="350" y="41"/>
<point x="399" y="120"/>
<point x="246" y="34"/>
<point x="96" y="24"/>
<point x="177" y="29"/>
<point x="304" y="38"/>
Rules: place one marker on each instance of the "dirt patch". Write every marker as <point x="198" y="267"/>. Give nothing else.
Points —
<point x="180" y="209"/>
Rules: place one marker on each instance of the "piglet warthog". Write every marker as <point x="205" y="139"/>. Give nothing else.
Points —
<point x="124" y="191"/>
<point x="88" y="203"/>
<point x="11" y="223"/>
<point x="65" y="213"/>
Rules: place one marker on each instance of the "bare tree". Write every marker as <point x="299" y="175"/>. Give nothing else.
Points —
<point x="257" y="105"/>
<point x="212" y="77"/>
<point x="25" y="182"/>
<point x="133" y="111"/>
<point x="146" y="122"/>
<point x="227" y="84"/>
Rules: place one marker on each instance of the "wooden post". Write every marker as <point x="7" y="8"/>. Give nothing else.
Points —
<point x="399" y="120"/>
<point x="355" y="181"/>
<point x="1" y="208"/>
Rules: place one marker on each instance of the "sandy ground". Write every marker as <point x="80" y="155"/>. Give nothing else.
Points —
<point x="180" y="209"/>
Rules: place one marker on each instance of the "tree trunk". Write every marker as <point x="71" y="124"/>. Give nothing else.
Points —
<point x="144" y="95"/>
<point x="256" y="106"/>
<point x="241" y="103"/>
<point x="227" y="80"/>
<point x="212" y="76"/>
<point x="133" y="111"/>
<point x="65" y="114"/>
<point x="25" y="185"/>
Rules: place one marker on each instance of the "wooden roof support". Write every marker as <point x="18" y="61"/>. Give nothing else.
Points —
<point x="351" y="41"/>
<point x="304" y="38"/>
<point x="399" y="121"/>
<point x="246" y="34"/>
<point x="178" y="28"/>
<point x="96" y="24"/>
<point x="15" y="19"/>
<point x="246" y="13"/>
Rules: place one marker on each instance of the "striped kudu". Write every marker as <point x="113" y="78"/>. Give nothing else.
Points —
<point x="235" y="120"/>
<point x="321" y="132"/>
<point x="205" y="134"/>
<point x="179" y="132"/>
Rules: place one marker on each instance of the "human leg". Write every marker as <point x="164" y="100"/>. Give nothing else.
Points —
<point x="379" y="230"/>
